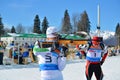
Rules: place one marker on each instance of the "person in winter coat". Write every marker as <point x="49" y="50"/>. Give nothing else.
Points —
<point x="51" y="61"/>
<point x="2" y="48"/>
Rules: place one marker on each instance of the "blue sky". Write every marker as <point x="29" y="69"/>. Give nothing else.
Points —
<point x="14" y="12"/>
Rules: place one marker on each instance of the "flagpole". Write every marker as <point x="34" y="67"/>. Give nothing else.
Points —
<point x="98" y="25"/>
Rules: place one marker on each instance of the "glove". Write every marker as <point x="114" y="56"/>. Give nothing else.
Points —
<point x="102" y="46"/>
<point x="63" y="54"/>
<point x="101" y="62"/>
<point x="64" y="50"/>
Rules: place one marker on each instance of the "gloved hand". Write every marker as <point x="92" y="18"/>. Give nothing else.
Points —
<point x="101" y="62"/>
<point x="63" y="53"/>
<point x="102" y="45"/>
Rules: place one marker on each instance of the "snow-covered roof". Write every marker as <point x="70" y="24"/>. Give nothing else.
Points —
<point x="32" y="35"/>
<point x="65" y="36"/>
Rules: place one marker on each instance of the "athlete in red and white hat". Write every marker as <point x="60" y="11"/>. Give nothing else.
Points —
<point x="95" y="56"/>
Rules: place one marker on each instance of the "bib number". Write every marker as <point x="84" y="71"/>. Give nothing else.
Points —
<point x="94" y="54"/>
<point x="48" y="59"/>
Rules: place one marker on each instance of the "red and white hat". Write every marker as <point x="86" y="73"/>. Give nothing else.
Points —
<point x="95" y="38"/>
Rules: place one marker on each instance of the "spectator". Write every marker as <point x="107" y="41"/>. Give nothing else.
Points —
<point x="1" y="52"/>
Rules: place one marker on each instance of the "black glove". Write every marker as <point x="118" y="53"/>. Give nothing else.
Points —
<point x="101" y="62"/>
<point x="102" y="45"/>
<point x="64" y="51"/>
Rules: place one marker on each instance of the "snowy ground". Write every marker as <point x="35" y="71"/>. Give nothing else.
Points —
<point x="74" y="70"/>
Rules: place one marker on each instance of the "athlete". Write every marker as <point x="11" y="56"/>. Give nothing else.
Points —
<point x="95" y="56"/>
<point x="51" y="61"/>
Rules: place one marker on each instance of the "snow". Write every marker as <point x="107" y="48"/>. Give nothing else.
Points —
<point x="74" y="70"/>
<point x="13" y="34"/>
<point x="104" y="34"/>
<point x="109" y="37"/>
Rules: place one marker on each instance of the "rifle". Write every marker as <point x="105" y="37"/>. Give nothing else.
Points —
<point x="66" y="41"/>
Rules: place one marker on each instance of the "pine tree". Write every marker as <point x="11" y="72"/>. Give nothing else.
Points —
<point x="13" y="29"/>
<point x="117" y="33"/>
<point x="1" y="27"/>
<point x="84" y="23"/>
<point x="44" y="25"/>
<point x="36" y="28"/>
<point x="66" y="25"/>
<point x="117" y="29"/>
